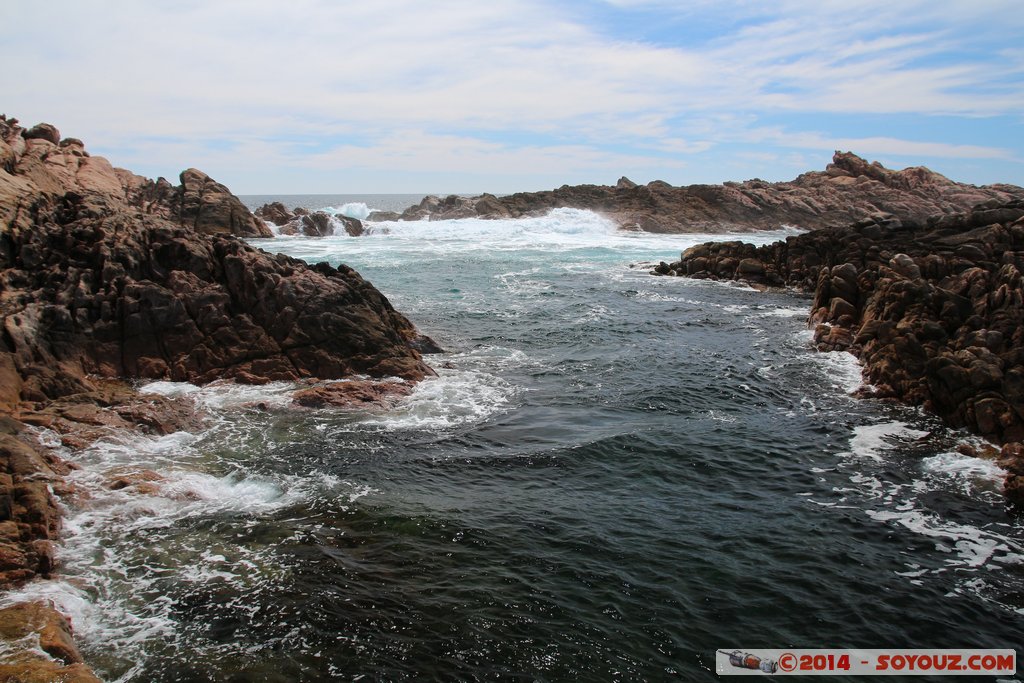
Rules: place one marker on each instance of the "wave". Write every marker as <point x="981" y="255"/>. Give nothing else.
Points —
<point x="565" y="222"/>
<point x="912" y="501"/>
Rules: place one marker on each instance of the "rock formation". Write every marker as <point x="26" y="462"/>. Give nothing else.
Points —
<point x="106" y="275"/>
<point x="301" y="222"/>
<point x="934" y="309"/>
<point x="850" y="189"/>
<point x="123" y="277"/>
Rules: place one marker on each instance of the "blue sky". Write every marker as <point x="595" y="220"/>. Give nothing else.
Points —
<point x="315" y="96"/>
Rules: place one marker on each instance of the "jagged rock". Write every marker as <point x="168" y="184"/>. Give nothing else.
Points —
<point x="42" y="131"/>
<point x="39" y="670"/>
<point x="317" y="224"/>
<point x="210" y="208"/>
<point x="144" y="281"/>
<point x="353" y="226"/>
<point x="48" y="653"/>
<point x="275" y="212"/>
<point x="850" y="189"/>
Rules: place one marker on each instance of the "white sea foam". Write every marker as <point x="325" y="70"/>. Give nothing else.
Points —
<point x="560" y="226"/>
<point x="959" y="546"/>
<point x="222" y="395"/>
<point x="452" y="399"/>
<point x="964" y="466"/>
<point x="122" y="548"/>
<point x="784" y="312"/>
<point x="358" y="210"/>
<point x="872" y="441"/>
<point x="169" y="389"/>
<point x="843" y="370"/>
<point x="966" y="546"/>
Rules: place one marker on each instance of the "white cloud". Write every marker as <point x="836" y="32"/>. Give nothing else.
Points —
<point x="890" y="146"/>
<point x="561" y="87"/>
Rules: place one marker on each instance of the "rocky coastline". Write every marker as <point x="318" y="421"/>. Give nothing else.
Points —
<point x="850" y="189"/>
<point x="106" y="278"/>
<point x="934" y="309"/>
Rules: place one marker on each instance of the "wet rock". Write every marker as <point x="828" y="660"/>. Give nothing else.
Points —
<point x="275" y="212"/>
<point x="353" y="226"/>
<point x="317" y="224"/>
<point x="352" y="394"/>
<point x="52" y="628"/>
<point x="146" y="482"/>
<point x="38" y="670"/>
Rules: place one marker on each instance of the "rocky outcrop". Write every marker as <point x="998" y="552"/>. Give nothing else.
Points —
<point x="849" y="190"/>
<point x="107" y="275"/>
<point x="316" y="224"/>
<point x="35" y="166"/>
<point x="143" y="282"/>
<point x="935" y="310"/>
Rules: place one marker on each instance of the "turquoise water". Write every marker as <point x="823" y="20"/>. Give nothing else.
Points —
<point x="613" y="476"/>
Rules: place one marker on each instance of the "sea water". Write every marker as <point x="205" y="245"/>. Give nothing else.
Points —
<point x="612" y="476"/>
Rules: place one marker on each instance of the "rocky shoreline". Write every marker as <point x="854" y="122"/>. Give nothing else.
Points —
<point x="107" y="277"/>
<point x="850" y="189"/>
<point x="934" y="310"/>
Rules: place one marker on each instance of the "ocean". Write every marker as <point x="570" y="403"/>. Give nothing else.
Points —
<point x="613" y="476"/>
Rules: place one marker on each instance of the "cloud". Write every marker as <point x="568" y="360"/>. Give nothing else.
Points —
<point x="520" y="82"/>
<point x="881" y="145"/>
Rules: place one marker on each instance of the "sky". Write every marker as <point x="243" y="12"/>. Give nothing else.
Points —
<point x="397" y="96"/>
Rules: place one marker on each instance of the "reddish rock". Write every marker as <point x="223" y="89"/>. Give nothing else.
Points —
<point x="42" y="131"/>
<point x="352" y="394"/>
<point x="54" y="630"/>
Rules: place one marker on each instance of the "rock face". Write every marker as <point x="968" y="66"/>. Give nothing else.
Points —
<point x="106" y="273"/>
<point x="849" y="190"/>
<point x="935" y="310"/>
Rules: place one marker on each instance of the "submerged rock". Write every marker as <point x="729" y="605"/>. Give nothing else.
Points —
<point x="352" y="394"/>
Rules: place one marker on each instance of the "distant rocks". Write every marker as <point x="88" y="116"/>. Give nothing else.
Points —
<point x="934" y="309"/>
<point x="275" y="212"/>
<point x="850" y="189"/>
<point x="302" y="222"/>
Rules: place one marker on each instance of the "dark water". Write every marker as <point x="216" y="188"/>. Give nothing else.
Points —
<point x="614" y="476"/>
